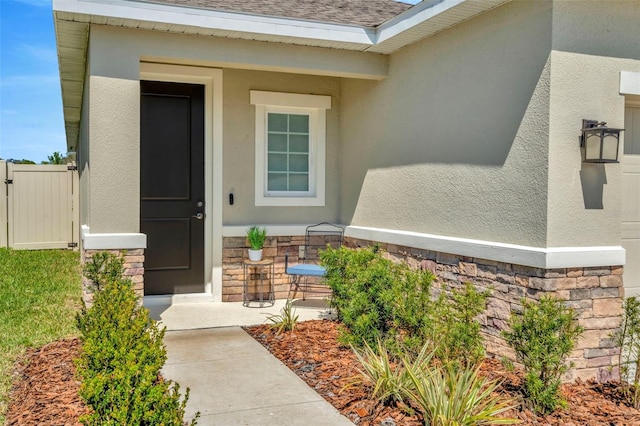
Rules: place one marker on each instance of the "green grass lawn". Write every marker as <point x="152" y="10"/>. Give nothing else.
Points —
<point x="39" y="295"/>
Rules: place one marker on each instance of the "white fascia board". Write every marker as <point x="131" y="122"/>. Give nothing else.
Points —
<point x="262" y="25"/>
<point x="111" y="241"/>
<point x="537" y="257"/>
<point x="414" y="16"/>
<point x="629" y="83"/>
<point x="219" y="20"/>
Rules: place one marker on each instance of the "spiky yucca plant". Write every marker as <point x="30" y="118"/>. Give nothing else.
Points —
<point x="286" y="320"/>
<point x="389" y="381"/>
<point x="450" y="396"/>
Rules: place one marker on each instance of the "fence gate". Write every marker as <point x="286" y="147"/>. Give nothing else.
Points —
<point x="40" y="206"/>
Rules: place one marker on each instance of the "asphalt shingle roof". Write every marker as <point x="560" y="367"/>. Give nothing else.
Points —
<point x="368" y="13"/>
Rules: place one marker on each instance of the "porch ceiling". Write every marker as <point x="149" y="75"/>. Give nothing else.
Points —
<point x="74" y="17"/>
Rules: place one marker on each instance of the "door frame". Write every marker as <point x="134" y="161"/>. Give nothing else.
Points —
<point x="211" y="79"/>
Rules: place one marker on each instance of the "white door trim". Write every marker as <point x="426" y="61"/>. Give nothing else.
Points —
<point x="211" y="78"/>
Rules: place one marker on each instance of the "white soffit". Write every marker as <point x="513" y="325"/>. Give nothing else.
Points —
<point x="72" y="56"/>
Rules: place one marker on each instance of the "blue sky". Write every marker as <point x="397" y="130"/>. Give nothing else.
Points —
<point x="31" y="121"/>
<point x="31" y="124"/>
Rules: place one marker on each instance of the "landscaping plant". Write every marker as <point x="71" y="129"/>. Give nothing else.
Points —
<point x="377" y="299"/>
<point x="103" y="268"/>
<point x="286" y="320"/>
<point x="122" y="354"/>
<point x="628" y="340"/>
<point x="389" y="380"/>
<point x="455" y="328"/>
<point x="449" y="396"/>
<point x="446" y="394"/>
<point x="256" y="237"/>
<point x="543" y="335"/>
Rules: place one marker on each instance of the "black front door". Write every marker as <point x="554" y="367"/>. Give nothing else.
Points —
<point x="172" y="186"/>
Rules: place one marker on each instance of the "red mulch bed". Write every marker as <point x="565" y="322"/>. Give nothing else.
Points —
<point x="45" y="389"/>
<point x="313" y="353"/>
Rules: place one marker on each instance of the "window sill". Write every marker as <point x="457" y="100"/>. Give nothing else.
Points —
<point x="290" y="201"/>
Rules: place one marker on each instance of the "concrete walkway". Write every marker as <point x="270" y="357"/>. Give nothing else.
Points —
<point x="233" y="379"/>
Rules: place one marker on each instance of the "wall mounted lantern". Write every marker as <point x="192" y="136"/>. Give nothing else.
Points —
<point x="599" y="143"/>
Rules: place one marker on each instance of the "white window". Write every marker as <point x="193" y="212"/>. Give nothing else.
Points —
<point x="290" y="148"/>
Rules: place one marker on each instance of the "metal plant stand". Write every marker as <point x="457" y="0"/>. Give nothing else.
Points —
<point x="263" y="274"/>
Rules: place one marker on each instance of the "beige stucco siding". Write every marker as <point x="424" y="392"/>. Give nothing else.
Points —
<point x="584" y="199"/>
<point x="595" y="27"/>
<point x="239" y="147"/>
<point x="454" y="142"/>
<point x="120" y="44"/>
<point x="115" y="154"/>
<point x="589" y="53"/>
<point x="113" y="88"/>
<point x="113" y="130"/>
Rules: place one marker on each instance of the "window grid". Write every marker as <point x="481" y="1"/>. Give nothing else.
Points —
<point x="289" y="154"/>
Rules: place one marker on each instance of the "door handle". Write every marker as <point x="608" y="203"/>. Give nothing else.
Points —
<point x="199" y="216"/>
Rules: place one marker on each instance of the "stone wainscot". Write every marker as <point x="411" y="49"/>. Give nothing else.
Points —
<point x="596" y="294"/>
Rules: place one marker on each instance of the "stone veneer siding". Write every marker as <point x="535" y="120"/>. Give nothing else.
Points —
<point x="595" y="293"/>
<point x="234" y="252"/>
<point x="133" y="270"/>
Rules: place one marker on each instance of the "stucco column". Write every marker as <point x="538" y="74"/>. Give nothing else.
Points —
<point x="115" y="154"/>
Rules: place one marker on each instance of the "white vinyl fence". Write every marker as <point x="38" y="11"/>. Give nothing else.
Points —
<point x="38" y="206"/>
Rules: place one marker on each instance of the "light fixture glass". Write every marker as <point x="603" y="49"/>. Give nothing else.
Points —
<point x="599" y="143"/>
<point x="610" y="141"/>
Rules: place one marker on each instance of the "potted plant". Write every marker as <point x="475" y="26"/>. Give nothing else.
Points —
<point x="256" y="237"/>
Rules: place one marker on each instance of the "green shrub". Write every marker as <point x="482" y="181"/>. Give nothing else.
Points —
<point x="628" y="339"/>
<point x="542" y="337"/>
<point x="449" y="396"/>
<point x="377" y="299"/>
<point x="455" y="328"/>
<point x="103" y="268"/>
<point x="122" y="354"/>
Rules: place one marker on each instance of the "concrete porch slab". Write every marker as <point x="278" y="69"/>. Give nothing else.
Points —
<point x="192" y="316"/>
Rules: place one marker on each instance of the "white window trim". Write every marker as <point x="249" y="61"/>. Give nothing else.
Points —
<point x="292" y="103"/>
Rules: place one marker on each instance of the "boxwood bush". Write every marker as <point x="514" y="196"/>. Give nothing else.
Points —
<point x="122" y="354"/>
<point x="378" y="299"/>
<point x="543" y="336"/>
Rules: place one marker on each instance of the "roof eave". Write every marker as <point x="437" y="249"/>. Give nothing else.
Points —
<point x="426" y="19"/>
<point x="168" y="18"/>
<point x="73" y="19"/>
